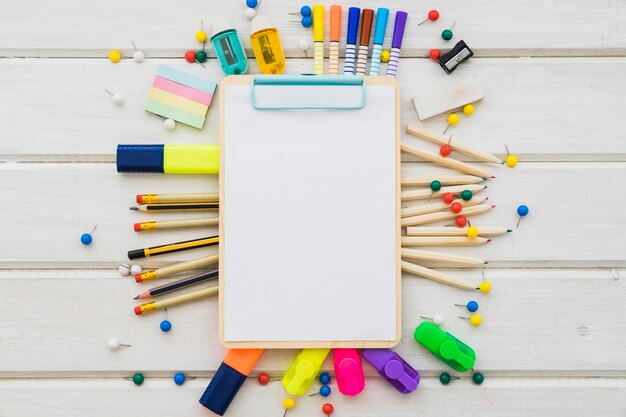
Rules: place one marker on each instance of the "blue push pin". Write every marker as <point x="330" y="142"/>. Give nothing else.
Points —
<point x="471" y="306"/>
<point x="165" y="326"/>
<point x="523" y="212"/>
<point x="252" y="3"/>
<point x="324" y="390"/>
<point x="307" y="19"/>
<point x="324" y="378"/>
<point x="179" y="378"/>
<point x="86" y="238"/>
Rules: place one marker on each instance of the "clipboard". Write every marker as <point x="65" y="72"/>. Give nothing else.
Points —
<point x="309" y="212"/>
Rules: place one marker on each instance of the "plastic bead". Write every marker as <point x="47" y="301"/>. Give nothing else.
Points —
<point x="485" y="287"/>
<point x="169" y="124"/>
<point x="445" y="150"/>
<point x="305" y="11"/>
<point x="456" y="207"/>
<point x="179" y="378"/>
<point x="472" y="306"/>
<point x="523" y="210"/>
<point x="448" y="198"/>
<point x="453" y="119"/>
<point x="252" y="3"/>
<point x="115" y="56"/>
<point x="138" y="57"/>
<point x="466" y="195"/>
<point x="468" y="109"/>
<point x="324" y="390"/>
<point x="201" y="36"/>
<point x="86" y="239"/>
<point x="135" y="269"/>
<point x="307" y="21"/>
<point x="445" y="378"/>
<point x="249" y="13"/>
<point x="461" y="221"/>
<point x="138" y="378"/>
<point x="511" y="161"/>
<point x="433" y="15"/>
<point x="434" y="54"/>
<point x="289" y="403"/>
<point x="384" y="56"/>
<point x="124" y="270"/>
<point x="114" y="344"/>
<point x="472" y="232"/>
<point x="328" y="409"/>
<point x="165" y="326"/>
<point x="190" y="56"/>
<point x="446" y="35"/>
<point x="478" y="378"/>
<point x="324" y="378"/>
<point x="263" y="378"/>
<point x="201" y="56"/>
<point x="435" y="185"/>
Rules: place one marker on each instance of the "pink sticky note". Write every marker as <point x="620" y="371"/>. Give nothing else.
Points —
<point x="182" y="90"/>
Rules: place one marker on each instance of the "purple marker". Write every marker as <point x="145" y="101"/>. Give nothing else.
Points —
<point x="393" y="368"/>
<point x="396" y="43"/>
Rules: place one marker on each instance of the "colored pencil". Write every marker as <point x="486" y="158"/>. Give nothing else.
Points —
<point x="454" y="144"/>
<point x="177" y="285"/>
<point x="173" y="247"/>
<point x="446" y="162"/>
<point x="425" y="255"/>
<point x="427" y="193"/>
<point x="177" y="198"/>
<point x="439" y="206"/>
<point x="444" y="180"/>
<point x="436" y="276"/>
<point x="177" y="207"/>
<point x="168" y="271"/>
<point x="178" y="299"/>
<point x="454" y="231"/>
<point x="442" y="241"/>
<point x="444" y="215"/>
<point x="176" y="224"/>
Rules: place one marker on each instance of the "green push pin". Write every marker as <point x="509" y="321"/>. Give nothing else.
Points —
<point x="434" y="186"/>
<point x="466" y="195"/>
<point x="201" y="56"/>
<point x="445" y="378"/>
<point x="478" y="378"/>
<point x="446" y="35"/>
<point x="138" y="378"/>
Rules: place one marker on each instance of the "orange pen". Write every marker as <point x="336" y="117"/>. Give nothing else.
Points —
<point x="335" y="29"/>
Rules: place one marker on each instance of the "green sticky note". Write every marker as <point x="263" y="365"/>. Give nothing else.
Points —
<point x="174" y="113"/>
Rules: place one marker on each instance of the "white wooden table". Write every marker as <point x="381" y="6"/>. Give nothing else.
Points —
<point x="553" y="340"/>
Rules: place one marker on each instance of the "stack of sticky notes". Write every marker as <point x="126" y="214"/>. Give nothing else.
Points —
<point x="180" y="96"/>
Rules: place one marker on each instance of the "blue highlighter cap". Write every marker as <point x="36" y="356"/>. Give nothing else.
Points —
<point x="140" y="158"/>
<point x="382" y="15"/>
<point x="222" y="389"/>
<point x="354" y="14"/>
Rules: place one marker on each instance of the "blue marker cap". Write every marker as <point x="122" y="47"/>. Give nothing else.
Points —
<point x="222" y="389"/>
<point x="140" y="158"/>
<point x="382" y="15"/>
<point x="353" y="24"/>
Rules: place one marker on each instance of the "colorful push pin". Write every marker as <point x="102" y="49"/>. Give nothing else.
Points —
<point x="201" y="56"/>
<point x="138" y="56"/>
<point x="328" y="409"/>
<point x="456" y="207"/>
<point x="522" y="211"/>
<point x="511" y="159"/>
<point x="124" y="270"/>
<point x="116" y="98"/>
<point x="472" y="306"/>
<point x="453" y="120"/>
<point x="475" y="319"/>
<point x="484" y="287"/>
<point x="138" y="378"/>
<point x="445" y="150"/>
<point x="446" y="35"/>
<point x="115" y="344"/>
<point x="304" y="45"/>
<point x="169" y="124"/>
<point x="190" y="56"/>
<point x="434" y="54"/>
<point x="435" y="185"/>
<point x="324" y="390"/>
<point x="472" y="232"/>
<point x="201" y="35"/>
<point x="288" y="403"/>
<point x="250" y="10"/>
<point x="436" y="319"/>
<point x="384" y="56"/>
<point x="86" y="238"/>
<point x="478" y="378"/>
<point x="307" y="19"/>
<point x="466" y="195"/>
<point x="445" y="378"/>
<point x="115" y="56"/>
<point x="324" y="378"/>
<point x="165" y="326"/>
<point x="263" y="378"/>
<point x="460" y="221"/>
<point x="433" y="15"/>
<point x="468" y="109"/>
<point x="135" y="269"/>
<point x="448" y="198"/>
<point x="179" y="378"/>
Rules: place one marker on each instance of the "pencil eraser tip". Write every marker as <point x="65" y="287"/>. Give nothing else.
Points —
<point x="139" y="199"/>
<point x="138" y="278"/>
<point x="137" y="227"/>
<point x="138" y="310"/>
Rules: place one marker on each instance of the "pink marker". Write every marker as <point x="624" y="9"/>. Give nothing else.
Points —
<point x="349" y="371"/>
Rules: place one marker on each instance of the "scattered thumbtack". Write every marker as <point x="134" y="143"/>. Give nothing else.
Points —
<point x="190" y="56"/>
<point x="433" y="15"/>
<point x="124" y="270"/>
<point x="511" y="159"/>
<point x="472" y="306"/>
<point x="478" y="378"/>
<point x="165" y="326"/>
<point x="324" y="378"/>
<point x="434" y="54"/>
<point x="445" y="378"/>
<point x="456" y="207"/>
<point x="86" y="238"/>
<point x="466" y="195"/>
<point x="475" y="319"/>
<point x="135" y="269"/>
<point x="201" y="56"/>
<point x="472" y="232"/>
<point x="115" y="344"/>
<point x="445" y="150"/>
<point x="307" y="19"/>
<point x="288" y="403"/>
<point x="250" y="10"/>
<point x="434" y="187"/>
<point x="447" y="34"/>
<point x="201" y="35"/>
<point x="138" y="378"/>
<point x="384" y="56"/>
<point x="453" y="120"/>
<point x="116" y="98"/>
<point x="436" y="319"/>
<point x="522" y="211"/>
<point x="484" y="286"/>
<point x="328" y="409"/>
<point x="263" y="378"/>
<point x="179" y="378"/>
<point x="169" y="124"/>
<point x="468" y="109"/>
<point x="448" y="198"/>
<point x="115" y="56"/>
<point x="460" y="221"/>
<point x="324" y="390"/>
<point x="304" y="45"/>
<point x="138" y="56"/>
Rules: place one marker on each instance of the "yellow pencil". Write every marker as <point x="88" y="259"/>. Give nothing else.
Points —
<point x="178" y="299"/>
<point x="444" y="215"/>
<point x="177" y="207"/>
<point x="168" y="271"/>
<point x="426" y="255"/>
<point x="177" y="198"/>
<point x="443" y="241"/>
<point x="446" y="162"/>
<point x="439" y="206"/>
<point x="436" y="276"/>
<point x="173" y="247"/>
<point x="427" y="193"/>
<point x="454" y="231"/>
<point x="176" y="224"/>
<point x="444" y="180"/>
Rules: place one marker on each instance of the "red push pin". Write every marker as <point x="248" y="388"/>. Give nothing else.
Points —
<point x="456" y="207"/>
<point x="448" y="198"/>
<point x="328" y="409"/>
<point x="461" y="221"/>
<point x="432" y="16"/>
<point x="434" y="54"/>
<point x="264" y="378"/>
<point x="190" y="56"/>
<point x="446" y="150"/>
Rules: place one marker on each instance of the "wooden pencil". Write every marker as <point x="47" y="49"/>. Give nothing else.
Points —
<point x="454" y="144"/>
<point x="177" y="207"/>
<point x="446" y="162"/>
<point x="176" y="224"/>
<point x="436" y="276"/>
<point x="444" y="179"/>
<point x="177" y="198"/>
<point x="439" y="206"/>
<point x="178" y="299"/>
<point x="168" y="271"/>
<point x="442" y="241"/>
<point x="448" y="258"/>
<point x="427" y="193"/>
<point x="444" y="215"/>
<point x="177" y="285"/>
<point x="201" y="242"/>
<point x="454" y="231"/>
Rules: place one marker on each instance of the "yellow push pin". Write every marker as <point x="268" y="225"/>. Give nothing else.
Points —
<point x="115" y="56"/>
<point x="475" y="319"/>
<point x="288" y="403"/>
<point x="453" y="119"/>
<point x="201" y="35"/>
<point x="468" y="109"/>
<point x="472" y="232"/>
<point x="384" y="56"/>
<point x="511" y="159"/>
<point x="484" y="286"/>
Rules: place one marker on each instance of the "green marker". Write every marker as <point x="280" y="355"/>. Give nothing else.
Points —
<point x="445" y="347"/>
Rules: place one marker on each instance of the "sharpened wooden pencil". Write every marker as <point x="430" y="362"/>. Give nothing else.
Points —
<point x="178" y="285"/>
<point x="179" y="299"/>
<point x="436" y="276"/>
<point x="427" y="193"/>
<point x="448" y="258"/>
<point x="454" y="144"/>
<point x="439" y="206"/>
<point x="454" y="231"/>
<point x="444" y="215"/>
<point x="446" y="162"/>
<point x="444" y="180"/>
<point x="168" y="271"/>
<point x="442" y="241"/>
<point x="176" y="224"/>
<point x="177" y="207"/>
<point x="177" y="198"/>
<point x="173" y="247"/>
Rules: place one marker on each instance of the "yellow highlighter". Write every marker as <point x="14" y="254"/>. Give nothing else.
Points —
<point x="303" y="370"/>
<point x="169" y="159"/>
<point x="318" y="39"/>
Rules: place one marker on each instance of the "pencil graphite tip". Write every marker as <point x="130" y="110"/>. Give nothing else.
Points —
<point x="492" y="176"/>
<point x="136" y="298"/>
<point x="485" y="262"/>
<point x="134" y="208"/>
<point x="486" y="198"/>
<point x="509" y="230"/>
<point x="485" y="179"/>
<point x="488" y="240"/>
<point x="494" y="206"/>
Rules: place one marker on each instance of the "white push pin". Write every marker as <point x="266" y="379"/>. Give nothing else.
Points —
<point x="135" y="269"/>
<point x="116" y="98"/>
<point x="138" y="56"/>
<point x="250" y="10"/>
<point x="437" y="319"/>
<point x="169" y="124"/>
<point x="124" y="270"/>
<point x="115" y="344"/>
<point x="304" y="45"/>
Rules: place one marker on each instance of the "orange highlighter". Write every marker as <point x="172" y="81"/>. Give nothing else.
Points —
<point x="335" y="35"/>
<point x="229" y="377"/>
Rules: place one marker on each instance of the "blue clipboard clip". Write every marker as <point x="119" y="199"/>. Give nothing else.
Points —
<point x="286" y="92"/>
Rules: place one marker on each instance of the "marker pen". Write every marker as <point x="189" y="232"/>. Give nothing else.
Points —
<point x="229" y="377"/>
<point x="354" y="14"/>
<point x="445" y="347"/>
<point x="318" y="39"/>
<point x="393" y="368"/>
<point x="364" y="42"/>
<point x="169" y="159"/>
<point x="335" y="35"/>
<point x="396" y="43"/>
<point x="303" y="370"/>
<point x="349" y="371"/>
<point x="382" y="15"/>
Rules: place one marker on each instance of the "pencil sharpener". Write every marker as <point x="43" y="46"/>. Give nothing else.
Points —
<point x="455" y="56"/>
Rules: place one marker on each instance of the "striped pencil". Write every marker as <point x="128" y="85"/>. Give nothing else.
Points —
<point x="439" y="206"/>
<point x="178" y="285"/>
<point x="173" y="247"/>
<point x="382" y="15"/>
<point x="179" y="299"/>
<point x="318" y="39"/>
<point x="175" y="224"/>
<point x="335" y="36"/>
<point x="396" y="43"/>
<point x="354" y="14"/>
<point x="177" y="207"/>
<point x="367" y="18"/>
<point x="444" y="215"/>
<point x="427" y="193"/>
<point x="177" y="198"/>
<point x="168" y="271"/>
